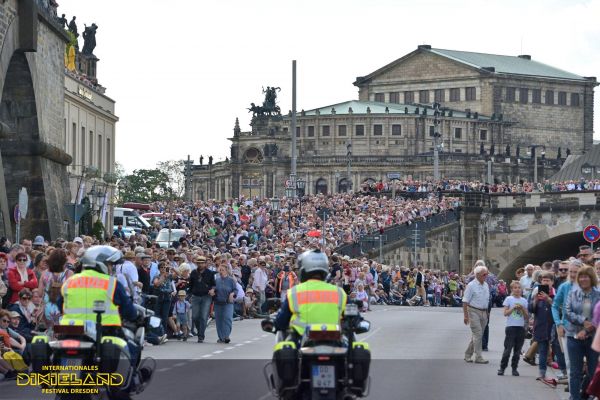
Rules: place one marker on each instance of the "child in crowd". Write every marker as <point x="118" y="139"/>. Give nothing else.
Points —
<point x="180" y="311"/>
<point x="543" y="323"/>
<point x="362" y="295"/>
<point x="515" y="311"/>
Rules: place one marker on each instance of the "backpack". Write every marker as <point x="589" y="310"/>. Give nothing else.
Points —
<point x="54" y="287"/>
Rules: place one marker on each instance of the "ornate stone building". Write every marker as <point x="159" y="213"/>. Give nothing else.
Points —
<point x="493" y="109"/>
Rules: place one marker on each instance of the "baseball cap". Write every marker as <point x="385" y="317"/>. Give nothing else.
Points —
<point x="78" y="240"/>
<point x="14" y="314"/>
<point x="38" y="241"/>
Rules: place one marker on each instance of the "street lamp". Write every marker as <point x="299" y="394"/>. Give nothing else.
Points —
<point x="436" y="145"/>
<point x="275" y="209"/>
<point x="533" y="154"/>
<point x="300" y="185"/>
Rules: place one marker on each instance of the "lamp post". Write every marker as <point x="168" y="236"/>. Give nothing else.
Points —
<point x="436" y="145"/>
<point x="533" y="154"/>
<point x="349" y="165"/>
<point x="275" y="208"/>
<point x="300" y="185"/>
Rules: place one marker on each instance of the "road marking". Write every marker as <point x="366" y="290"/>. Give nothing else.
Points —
<point x="217" y="352"/>
<point x="239" y="344"/>
<point x="207" y="355"/>
<point x="181" y="364"/>
<point x="265" y="335"/>
<point x="247" y="342"/>
<point x="163" y="369"/>
<point x="362" y="339"/>
<point x="228" y="348"/>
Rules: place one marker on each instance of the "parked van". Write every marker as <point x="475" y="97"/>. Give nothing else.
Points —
<point x="129" y="218"/>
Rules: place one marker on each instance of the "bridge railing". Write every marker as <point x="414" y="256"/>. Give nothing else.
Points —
<point x="368" y="243"/>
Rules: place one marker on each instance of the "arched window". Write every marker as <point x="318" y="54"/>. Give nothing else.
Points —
<point x="343" y="185"/>
<point x="321" y="186"/>
<point x="253" y="156"/>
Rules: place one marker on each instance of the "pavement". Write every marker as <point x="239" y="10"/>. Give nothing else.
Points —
<point x="417" y="354"/>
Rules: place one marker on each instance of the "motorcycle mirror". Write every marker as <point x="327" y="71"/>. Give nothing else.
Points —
<point x="99" y="306"/>
<point x="267" y="325"/>
<point x="154" y="322"/>
<point x="363" y="327"/>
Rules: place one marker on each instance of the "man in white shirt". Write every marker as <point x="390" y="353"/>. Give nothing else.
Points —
<point x="260" y="281"/>
<point x="526" y="281"/>
<point x="475" y="305"/>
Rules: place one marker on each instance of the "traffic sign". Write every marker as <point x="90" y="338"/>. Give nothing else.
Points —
<point x="288" y="183"/>
<point x="23" y="202"/>
<point x="591" y="233"/>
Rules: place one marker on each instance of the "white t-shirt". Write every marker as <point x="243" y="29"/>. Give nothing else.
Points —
<point x="516" y="317"/>
<point x="525" y="282"/>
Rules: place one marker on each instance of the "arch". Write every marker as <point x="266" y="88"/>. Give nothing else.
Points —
<point x="321" y="186"/>
<point x="559" y="247"/>
<point x="253" y="156"/>
<point x="343" y="185"/>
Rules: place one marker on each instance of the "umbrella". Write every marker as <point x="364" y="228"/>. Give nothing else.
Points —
<point x="314" y="233"/>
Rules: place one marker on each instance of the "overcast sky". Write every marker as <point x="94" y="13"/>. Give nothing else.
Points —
<point x="181" y="71"/>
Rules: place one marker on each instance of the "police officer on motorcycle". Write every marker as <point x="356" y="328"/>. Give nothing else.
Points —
<point x="95" y="283"/>
<point x="313" y="301"/>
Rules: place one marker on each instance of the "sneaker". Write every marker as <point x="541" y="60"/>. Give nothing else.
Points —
<point x="220" y="341"/>
<point x="515" y="372"/>
<point x="200" y="340"/>
<point x="561" y="376"/>
<point x="481" y="361"/>
<point x="500" y="372"/>
<point x="190" y="335"/>
<point x="469" y="360"/>
<point x="226" y="340"/>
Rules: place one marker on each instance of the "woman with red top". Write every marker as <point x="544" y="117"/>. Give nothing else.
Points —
<point x="21" y="277"/>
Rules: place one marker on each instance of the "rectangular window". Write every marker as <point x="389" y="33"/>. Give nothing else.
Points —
<point x="396" y="129"/>
<point x="359" y="130"/>
<point x="91" y="148"/>
<point x="523" y="95"/>
<point x="74" y="143"/>
<point x="562" y="98"/>
<point x="409" y="97"/>
<point x="342" y="130"/>
<point x="457" y="150"/>
<point x="395" y="97"/>
<point x="457" y="133"/>
<point x="575" y="99"/>
<point x="108" y="154"/>
<point x="83" y="149"/>
<point x="431" y="130"/>
<point x="378" y="130"/>
<point x="470" y="94"/>
<point x="483" y="134"/>
<point x="510" y="93"/>
<point x="311" y="131"/>
<point x="455" y="94"/>
<point x="439" y="95"/>
<point x="536" y="96"/>
<point x="100" y="145"/>
<point x="297" y="131"/>
<point x="325" y="129"/>
<point x="549" y="97"/>
<point x="380" y="97"/>
<point x="423" y="96"/>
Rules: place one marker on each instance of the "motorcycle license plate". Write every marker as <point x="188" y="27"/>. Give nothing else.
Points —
<point x="323" y="376"/>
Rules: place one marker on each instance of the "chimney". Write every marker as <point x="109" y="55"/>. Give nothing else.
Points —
<point x="424" y="47"/>
<point x="525" y="56"/>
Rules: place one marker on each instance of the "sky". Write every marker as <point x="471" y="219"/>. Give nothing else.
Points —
<point x="181" y="71"/>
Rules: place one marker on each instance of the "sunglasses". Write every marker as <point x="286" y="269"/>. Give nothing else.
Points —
<point x="26" y="298"/>
<point x="563" y="269"/>
<point x="21" y="259"/>
<point x="4" y="320"/>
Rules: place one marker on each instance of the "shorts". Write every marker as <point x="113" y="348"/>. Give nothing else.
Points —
<point x="182" y="318"/>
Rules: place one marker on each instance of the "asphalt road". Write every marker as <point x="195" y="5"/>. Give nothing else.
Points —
<point x="417" y="354"/>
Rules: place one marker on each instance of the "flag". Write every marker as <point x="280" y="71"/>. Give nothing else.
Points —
<point x="104" y="208"/>
<point x="80" y="193"/>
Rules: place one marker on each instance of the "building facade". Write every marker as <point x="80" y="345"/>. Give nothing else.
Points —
<point x="89" y="137"/>
<point x="490" y="119"/>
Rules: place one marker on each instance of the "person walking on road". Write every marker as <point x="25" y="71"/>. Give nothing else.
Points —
<point x="202" y="287"/>
<point x="515" y="311"/>
<point x="225" y="294"/>
<point x="475" y="307"/>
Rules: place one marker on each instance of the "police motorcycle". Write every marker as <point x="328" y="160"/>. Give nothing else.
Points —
<point x="94" y="364"/>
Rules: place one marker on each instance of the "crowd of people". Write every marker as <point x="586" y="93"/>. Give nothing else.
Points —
<point x="428" y="186"/>
<point x="234" y="258"/>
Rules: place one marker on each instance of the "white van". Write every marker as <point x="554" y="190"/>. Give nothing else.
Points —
<point x="129" y="219"/>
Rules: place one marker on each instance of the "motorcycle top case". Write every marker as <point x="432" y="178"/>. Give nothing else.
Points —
<point x="285" y="358"/>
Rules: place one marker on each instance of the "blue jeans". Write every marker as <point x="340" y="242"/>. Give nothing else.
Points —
<point x="543" y="356"/>
<point x="200" y="310"/>
<point x="578" y="349"/>
<point x="163" y="305"/>
<point x="224" y="320"/>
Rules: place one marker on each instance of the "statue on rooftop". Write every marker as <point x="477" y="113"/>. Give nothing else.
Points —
<point x="89" y="39"/>
<point x="269" y="106"/>
<point x="73" y="27"/>
<point x="63" y="21"/>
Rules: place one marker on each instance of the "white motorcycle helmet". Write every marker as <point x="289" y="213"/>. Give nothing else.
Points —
<point x="313" y="264"/>
<point x="99" y="257"/>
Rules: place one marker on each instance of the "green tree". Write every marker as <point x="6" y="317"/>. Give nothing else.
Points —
<point x="174" y="169"/>
<point x="146" y="186"/>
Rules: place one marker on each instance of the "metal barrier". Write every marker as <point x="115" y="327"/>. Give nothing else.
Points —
<point x="368" y="243"/>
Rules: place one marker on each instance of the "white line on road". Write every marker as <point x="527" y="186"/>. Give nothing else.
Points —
<point x="207" y="355"/>
<point x="362" y="339"/>
<point x="239" y="344"/>
<point x="163" y="369"/>
<point x="247" y="342"/>
<point x="217" y="352"/>
<point x="181" y="364"/>
<point x="228" y="348"/>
